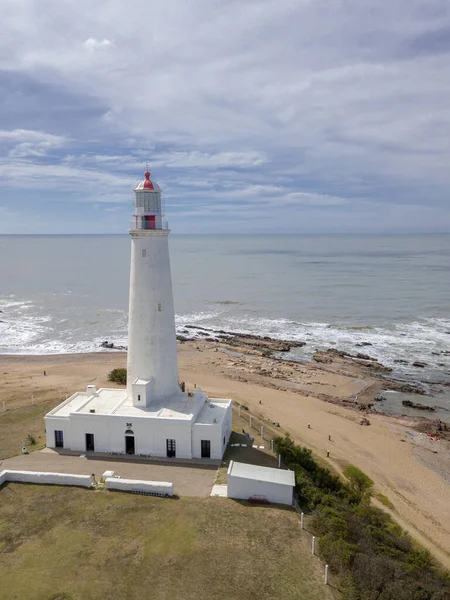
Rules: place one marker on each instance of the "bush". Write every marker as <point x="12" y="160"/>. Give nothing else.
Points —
<point x="359" y="481"/>
<point x="31" y="439"/>
<point x="373" y="556"/>
<point x="385" y="501"/>
<point x="118" y="376"/>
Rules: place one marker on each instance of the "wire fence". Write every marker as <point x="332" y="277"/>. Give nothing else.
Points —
<point x="257" y="426"/>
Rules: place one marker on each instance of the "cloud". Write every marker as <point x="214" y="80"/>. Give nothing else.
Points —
<point x="92" y="44"/>
<point x="30" y="143"/>
<point x="327" y="107"/>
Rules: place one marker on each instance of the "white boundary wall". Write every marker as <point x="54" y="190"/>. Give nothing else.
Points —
<point x="157" y="488"/>
<point x="46" y="478"/>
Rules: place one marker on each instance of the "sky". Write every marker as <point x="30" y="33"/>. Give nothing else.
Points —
<point x="255" y="116"/>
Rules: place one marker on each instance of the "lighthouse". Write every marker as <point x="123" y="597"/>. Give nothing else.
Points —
<point x="152" y="368"/>
<point x="152" y="417"/>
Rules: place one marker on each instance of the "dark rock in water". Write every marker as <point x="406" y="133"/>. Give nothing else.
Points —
<point x="360" y="344"/>
<point x="419" y="364"/>
<point x="407" y="388"/>
<point x="411" y="404"/>
<point x="111" y="346"/>
<point x="380" y="398"/>
<point x="401" y="361"/>
<point x="182" y="338"/>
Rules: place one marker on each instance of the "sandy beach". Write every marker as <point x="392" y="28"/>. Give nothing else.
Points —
<point x="407" y="466"/>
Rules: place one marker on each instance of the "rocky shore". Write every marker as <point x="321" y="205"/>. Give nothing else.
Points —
<point x="263" y="360"/>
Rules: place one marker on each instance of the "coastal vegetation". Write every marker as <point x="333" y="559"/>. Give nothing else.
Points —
<point x="374" y="558"/>
<point x="118" y="375"/>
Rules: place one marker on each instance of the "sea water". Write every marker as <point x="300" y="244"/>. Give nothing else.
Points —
<point x="64" y="294"/>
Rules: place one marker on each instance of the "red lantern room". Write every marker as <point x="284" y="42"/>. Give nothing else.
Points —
<point x="148" y="208"/>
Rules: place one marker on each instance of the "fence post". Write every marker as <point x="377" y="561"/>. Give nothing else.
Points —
<point x="271" y="444"/>
<point x="279" y="461"/>
<point x="4" y="407"/>
<point x="239" y="409"/>
<point x="313" y="545"/>
<point x="302" y="521"/>
<point x="326" y="574"/>
<point x="250" y="421"/>
<point x="262" y="432"/>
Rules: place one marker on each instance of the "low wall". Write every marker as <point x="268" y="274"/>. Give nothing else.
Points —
<point x="156" y="488"/>
<point x="45" y="478"/>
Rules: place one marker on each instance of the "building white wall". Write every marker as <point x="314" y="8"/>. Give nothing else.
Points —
<point x="152" y="350"/>
<point x="157" y="488"/>
<point x="241" y="488"/>
<point x="46" y="478"/>
<point x="150" y="435"/>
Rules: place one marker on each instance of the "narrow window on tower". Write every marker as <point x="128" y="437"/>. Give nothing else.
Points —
<point x="159" y="307"/>
<point x="139" y="397"/>
<point x="144" y="253"/>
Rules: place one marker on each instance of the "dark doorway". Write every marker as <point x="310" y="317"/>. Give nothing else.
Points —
<point x="171" y="448"/>
<point x="206" y="448"/>
<point x="59" y="439"/>
<point x="129" y="444"/>
<point x="90" y="447"/>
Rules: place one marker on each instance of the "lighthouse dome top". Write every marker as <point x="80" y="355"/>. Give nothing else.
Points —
<point x="147" y="184"/>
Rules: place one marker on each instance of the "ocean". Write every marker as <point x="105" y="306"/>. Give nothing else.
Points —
<point x="64" y="294"/>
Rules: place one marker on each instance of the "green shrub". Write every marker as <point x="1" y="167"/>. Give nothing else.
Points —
<point x="31" y="439"/>
<point x="385" y="501"/>
<point x="372" y="555"/>
<point x="118" y="376"/>
<point x="359" y="481"/>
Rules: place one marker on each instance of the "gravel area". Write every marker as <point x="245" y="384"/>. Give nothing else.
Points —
<point x="195" y="480"/>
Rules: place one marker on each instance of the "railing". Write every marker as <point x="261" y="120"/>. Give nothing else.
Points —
<point x="139" y="224"/>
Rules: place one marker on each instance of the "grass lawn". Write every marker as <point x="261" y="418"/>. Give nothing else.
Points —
<point x="59" y="543"/>
<point x="16" y="424"/>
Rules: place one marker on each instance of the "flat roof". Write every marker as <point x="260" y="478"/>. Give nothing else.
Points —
<point x="255" y="472"/>
<point x="213" y="411"/>
<point x="114" y="401"/>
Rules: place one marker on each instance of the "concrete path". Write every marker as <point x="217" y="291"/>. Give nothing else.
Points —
<point x="188" y="480"/>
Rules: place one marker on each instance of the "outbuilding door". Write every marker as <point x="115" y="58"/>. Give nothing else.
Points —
<point x="171" y="448"/>
<point x="129" y="444"/>
<point x="206" y="448"/>
<point x="90" y="447"/>
<point x="59" y="439"/>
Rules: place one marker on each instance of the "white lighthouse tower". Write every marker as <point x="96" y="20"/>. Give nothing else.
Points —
<point x="152" y="417"/>
<point x="152" y="369"/>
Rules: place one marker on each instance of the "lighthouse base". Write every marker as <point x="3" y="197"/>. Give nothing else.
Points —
<point x="185" y="426"/>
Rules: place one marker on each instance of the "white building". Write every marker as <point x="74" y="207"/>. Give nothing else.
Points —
<point x="260" y="483"/>
<point x="152" y="417"/>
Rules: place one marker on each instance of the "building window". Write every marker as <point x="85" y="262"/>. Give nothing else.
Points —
<point x="144" y="253"/>
<point x="224" y="440"/>
<point x="139" y="397"/>
<point x="159" y="307"/>
<point x="59" y="439"/>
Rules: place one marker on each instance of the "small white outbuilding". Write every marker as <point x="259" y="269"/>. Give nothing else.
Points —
<point x="260" y="483"/>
